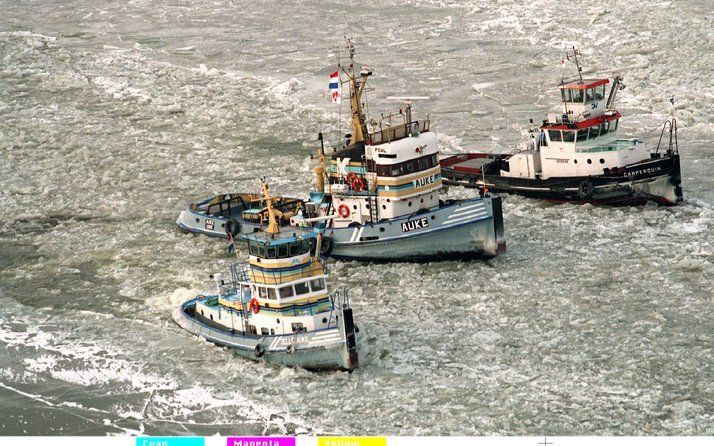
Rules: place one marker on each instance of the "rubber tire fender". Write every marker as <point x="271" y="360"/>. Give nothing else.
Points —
<point x="232" y="227"/>
<point x="259" y="350"/>
<point x="585" y="190"/>
<point x="327" y="246"/>
<point x="290" y="349"/>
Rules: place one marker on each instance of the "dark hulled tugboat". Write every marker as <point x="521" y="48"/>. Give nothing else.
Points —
<point x="576" y="156"/>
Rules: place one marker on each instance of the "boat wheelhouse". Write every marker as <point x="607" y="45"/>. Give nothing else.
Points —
<point x="577" y="155"/>
<point x="278" y="308"/>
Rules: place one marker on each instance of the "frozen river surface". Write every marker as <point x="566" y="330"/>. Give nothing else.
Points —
<point x="113" y="115"/>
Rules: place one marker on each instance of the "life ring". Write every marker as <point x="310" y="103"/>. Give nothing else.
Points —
<point x="254" y="306"/>
<point x="586" y="189"/>
<point x="343" y="210"/>
<point x="259" y="350"/>
<point x="290" y="349"/>
<point x="327" y="246"/>
<point x="232" y="227"/>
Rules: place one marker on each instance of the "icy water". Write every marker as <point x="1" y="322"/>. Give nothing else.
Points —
<point x="113" y="115"/>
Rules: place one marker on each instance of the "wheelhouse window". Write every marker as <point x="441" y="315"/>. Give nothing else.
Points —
<point x="555" y="135"/>
<point x="577" y="95"/>
<point x="272" y="294"/>
<point x="262" y="293"/>
<point x="298" y="327"/>
<point x="582" y="135"/>
<point x="283" y="251"/>
<point x="286" y="291"/>
<point x="301" y="288"/>
<point x="594" y="132"/>
<point x="568" y="135"/>
<point x="599" y="92"/>
<point x="567" y="97"/>
<point x="317" y="284"/>
<point x="603" y="129"/>
<point x="411" y="166"/>
<point x="613" y="125"/>
<point x="271" y="252"/>
<point x="295" y="249"/>
<point x="589" y="95"/>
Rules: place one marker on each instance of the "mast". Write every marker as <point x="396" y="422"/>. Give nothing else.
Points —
<point x="273" y="226"/>
<point x="321" y="165"/>
<point x="357" y="88"/>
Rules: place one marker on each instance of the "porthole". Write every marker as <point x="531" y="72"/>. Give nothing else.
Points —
<point x="381" y="229"/>
<point x="590" y="161"/>
<point x="354" y="206"/>
<point x="422" y="200"/>
<point x="389" y="200"/>
<point x="384" y="206"/>
<point x="433" y="217"/>
<point x="410" y="203"/>
<point x="575" y="161"/>
<point x="223" y="225"/>
<point x="277" y="321"/>
<point x="198" y="220"/>
<point x="324" y="320"/>
<point x="602" y="161"/>
<point x="367" y="206"/>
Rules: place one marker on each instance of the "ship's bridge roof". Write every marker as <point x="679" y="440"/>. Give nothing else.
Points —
<point x="584" y="84"/>
<point x="280" y="238"/>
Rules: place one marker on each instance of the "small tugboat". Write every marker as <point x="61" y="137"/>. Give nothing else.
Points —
<point x="235" y="214"/>
<point x="278" y="309"/>
<point x="576" y="156"/>
<point x="378" y="196"/>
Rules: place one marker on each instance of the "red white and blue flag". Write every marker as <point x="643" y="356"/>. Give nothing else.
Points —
<point x="334" y="87"/>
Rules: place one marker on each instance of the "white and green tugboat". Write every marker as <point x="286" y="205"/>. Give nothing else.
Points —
<point x="277" y="308"/>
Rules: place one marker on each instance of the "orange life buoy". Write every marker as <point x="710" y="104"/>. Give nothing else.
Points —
<point x="254" y="305"/>
<point x="343" y="210"/>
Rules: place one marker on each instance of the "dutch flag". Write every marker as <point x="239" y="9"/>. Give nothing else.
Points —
<point x="334" y="87"/>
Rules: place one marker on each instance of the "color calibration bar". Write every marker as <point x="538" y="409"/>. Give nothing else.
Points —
<point x="354" y="441"/>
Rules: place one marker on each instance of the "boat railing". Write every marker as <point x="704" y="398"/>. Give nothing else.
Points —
<point x="340" y="298"/>
<point x="397" y="132"/>
<point x="239" y="273"/>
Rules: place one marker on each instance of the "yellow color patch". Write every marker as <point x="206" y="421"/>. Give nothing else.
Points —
<point x="351" y="441"/>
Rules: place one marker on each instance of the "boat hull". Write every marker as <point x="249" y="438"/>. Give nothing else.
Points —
<point x="457" y="229"/>
<point x="319" y="350"/>
<point x="657" y="179"/>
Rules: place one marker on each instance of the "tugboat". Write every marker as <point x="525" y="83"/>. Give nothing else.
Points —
<point x="377" y="197"/>
<point x="576" y="156"/>
<point x="235" y="214"/>
<point x="278" y="308"/>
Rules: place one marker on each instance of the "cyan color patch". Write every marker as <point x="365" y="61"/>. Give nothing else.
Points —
<point x="170" y="441"/>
